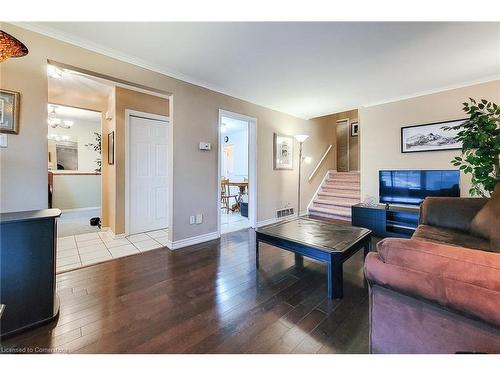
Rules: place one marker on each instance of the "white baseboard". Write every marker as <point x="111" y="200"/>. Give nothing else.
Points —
<point x="174" y="245"/>
<point x="277" y="220"/>
<point x="111" y="234"/>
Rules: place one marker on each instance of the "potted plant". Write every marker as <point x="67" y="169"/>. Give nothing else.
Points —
<point x="480" y="137"/>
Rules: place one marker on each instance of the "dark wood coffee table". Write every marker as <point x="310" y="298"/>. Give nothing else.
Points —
<point x="321" y="240"/>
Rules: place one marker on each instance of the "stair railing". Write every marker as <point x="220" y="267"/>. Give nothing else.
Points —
<point x="320" y="162"/>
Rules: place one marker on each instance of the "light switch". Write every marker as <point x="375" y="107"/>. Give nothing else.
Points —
<point x="192" y="220"/>
<point x="199" y="218"/>
<point x="3" y="141"/>
<point x="204" y="146"/>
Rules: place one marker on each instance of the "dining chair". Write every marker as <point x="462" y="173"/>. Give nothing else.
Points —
<point x="226" y="194"/>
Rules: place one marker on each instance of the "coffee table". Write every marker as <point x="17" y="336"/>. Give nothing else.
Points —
<point x="323" y="241"/>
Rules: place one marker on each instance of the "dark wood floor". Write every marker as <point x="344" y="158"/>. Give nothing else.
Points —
<point x="207" y="298"/>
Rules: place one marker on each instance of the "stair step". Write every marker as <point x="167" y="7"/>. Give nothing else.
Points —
<point x="340" y="189"/>
<point x="339" y="213"/>
<point x="343" y="211"/>
<point x="347" y="184"/>
<point x="330" y="216"/>
<point x="344" y="174"/>
<point x="339" y="194"/>
<point x="334" y="203"/>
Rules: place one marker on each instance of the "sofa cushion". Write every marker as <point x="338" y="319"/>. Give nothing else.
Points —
<point x="450" y="237"/>
<point x="486" y="223"/>
<point x="462" y="279"/>
<point x="450" y="212"/>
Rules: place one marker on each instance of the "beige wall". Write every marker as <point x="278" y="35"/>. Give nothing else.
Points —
<point x="194" y="118"/>
<point x="128" y="99"/>
<point x="330" y="121"/>
<point x="380" y="136"/>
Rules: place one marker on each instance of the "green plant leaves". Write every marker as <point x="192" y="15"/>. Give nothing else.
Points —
<point x="480" y="137"/>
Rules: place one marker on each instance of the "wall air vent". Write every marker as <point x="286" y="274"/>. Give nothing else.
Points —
<point x="284" y="212"/>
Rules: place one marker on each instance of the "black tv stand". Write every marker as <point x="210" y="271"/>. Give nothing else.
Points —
<point x="386" y="220"/>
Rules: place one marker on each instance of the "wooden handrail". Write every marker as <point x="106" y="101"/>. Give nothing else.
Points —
<point x="320" y="162"/>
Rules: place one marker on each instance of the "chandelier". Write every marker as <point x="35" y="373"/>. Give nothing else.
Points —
<point x="55" y="122"/>
<point x="11" y="47"/>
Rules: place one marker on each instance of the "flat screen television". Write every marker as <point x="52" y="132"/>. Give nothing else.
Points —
<point x="412" y="186"/>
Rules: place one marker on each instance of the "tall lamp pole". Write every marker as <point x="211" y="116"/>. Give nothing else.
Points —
<point x="301" y="139"/>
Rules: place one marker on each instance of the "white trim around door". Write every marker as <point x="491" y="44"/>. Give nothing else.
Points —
<point x="252" y="166"/>
<point x="131" y="113"/>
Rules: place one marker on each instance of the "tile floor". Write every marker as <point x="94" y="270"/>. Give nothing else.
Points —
<point x="90" y="248"/>
<point x="233" y="221"/>
<point x="76" y="222"/>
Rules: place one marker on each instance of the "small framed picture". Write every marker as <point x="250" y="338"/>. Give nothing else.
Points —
<point x="354" y="129"/>
<point x="111" y="148"/>
<point x="9" y="111"/>
<point x="283" y="151"/>
<point x="430" y="137"/>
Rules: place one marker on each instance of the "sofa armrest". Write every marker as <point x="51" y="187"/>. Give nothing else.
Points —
<point x="462" y="279"/>
<point x="453" y="213"/>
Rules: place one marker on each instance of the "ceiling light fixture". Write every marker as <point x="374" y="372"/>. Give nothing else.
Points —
<point x="52" y="112"/>
<point x="55" y="122"/>
<point x="66" y="124"/>
<point x="11" y="47"/>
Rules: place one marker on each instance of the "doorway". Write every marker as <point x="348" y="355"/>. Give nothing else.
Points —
<point x="342" y="135"/>
<point x="147" y="139"/>
<point x="236" y="198"/>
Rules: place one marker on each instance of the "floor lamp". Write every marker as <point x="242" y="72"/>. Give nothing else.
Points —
<point x="300" y="138"/>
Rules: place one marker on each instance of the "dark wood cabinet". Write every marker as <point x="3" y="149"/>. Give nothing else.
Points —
<point x="27" y="269"/>
<point x="386" y="222"/>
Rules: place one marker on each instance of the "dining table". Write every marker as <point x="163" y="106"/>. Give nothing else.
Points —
<point x="243" y="186"/>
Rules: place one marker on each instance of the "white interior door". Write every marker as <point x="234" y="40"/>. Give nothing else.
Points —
<point x="148" y="174"/>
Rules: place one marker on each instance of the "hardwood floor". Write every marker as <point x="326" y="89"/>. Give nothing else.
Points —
<point x="207" y="298"/>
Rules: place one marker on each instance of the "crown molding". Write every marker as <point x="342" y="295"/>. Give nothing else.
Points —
<point x="487" y="79"/>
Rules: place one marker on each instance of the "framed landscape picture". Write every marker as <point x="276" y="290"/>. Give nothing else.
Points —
<point x="9" y="111"/>
<point x="430" y="137"/>
<point x="283" y="151"/>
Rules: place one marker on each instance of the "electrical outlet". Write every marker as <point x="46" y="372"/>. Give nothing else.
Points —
<point x="199" y="218"/>
<point x="3" y="141"/>
<point x="192" y="220"/>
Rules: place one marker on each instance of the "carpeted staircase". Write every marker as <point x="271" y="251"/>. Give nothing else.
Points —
<point x="339" y="192"/>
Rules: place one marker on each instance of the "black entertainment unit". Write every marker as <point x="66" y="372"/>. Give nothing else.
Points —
<point x="403" y="191"/>
<point x="392" y="221"/>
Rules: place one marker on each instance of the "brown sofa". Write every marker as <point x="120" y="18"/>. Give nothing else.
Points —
<point x="438" y="292"/>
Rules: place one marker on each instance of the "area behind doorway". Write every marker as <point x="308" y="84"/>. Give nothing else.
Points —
<point x="235" y="172"/>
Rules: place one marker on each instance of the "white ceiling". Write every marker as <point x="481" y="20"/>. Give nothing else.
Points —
<point x="74" y="114"/>
<point x="305" y="69"/>
<point x="232" y="125"/>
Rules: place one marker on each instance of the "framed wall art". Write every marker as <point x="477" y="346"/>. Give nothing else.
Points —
<point x="282" y="152"/>
<point x="9" y="111"/>
<point x="354" y="129"/>
<point x="430" y="137"/>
